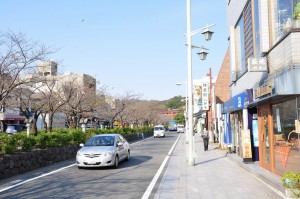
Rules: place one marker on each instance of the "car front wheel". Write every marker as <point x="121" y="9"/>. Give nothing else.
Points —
<point x="128" y="156"/>
<point x="116" y="165"/>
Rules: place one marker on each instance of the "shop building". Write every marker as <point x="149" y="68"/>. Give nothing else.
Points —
<point x="265" y="59"/>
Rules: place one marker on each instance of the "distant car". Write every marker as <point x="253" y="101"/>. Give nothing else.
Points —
<point x="11" y="129"/>
<point x="103" y="150"/>
<point x="159" y="131"/>
<point x="180" y="128"/>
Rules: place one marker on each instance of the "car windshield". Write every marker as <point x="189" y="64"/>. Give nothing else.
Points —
<point x="100" y="141"/>
<point x="158" y="128"/>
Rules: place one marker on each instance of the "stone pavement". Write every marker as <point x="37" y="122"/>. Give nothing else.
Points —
<point x="215" y="174"/>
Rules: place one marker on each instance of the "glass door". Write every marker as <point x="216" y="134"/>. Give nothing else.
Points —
<point x="264" y="149"/>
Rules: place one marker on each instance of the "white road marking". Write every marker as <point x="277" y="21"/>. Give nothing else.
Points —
<point x="155" y="178"/>
<point x="29" y="180"/>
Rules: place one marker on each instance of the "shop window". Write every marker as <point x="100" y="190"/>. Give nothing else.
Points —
<point x="286" y="139"/>
<point x="256" y="29"/>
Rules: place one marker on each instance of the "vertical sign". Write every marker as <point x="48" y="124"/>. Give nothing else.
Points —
<point x="205" y="99"/>
<point x="255" y="132"/>
<point x="247" y="152"/>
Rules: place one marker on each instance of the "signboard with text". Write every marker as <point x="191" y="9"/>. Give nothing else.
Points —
<point x="257" y="64"/>
<point x="247" y="151"/>
<point x="205" y="96"/>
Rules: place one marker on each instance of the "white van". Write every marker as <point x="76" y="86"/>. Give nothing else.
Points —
<point x="180" y="128"/>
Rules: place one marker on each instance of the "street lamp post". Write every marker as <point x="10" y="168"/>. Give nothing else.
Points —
<point x="207" y="34"/>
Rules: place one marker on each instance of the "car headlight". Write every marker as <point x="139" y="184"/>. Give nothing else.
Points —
<point x="79" y="153"/>
<point x="108" y="153"/>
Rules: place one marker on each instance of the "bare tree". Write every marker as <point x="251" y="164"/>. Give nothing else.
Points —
<point x="81" y="103"/>
<point x="113" y="107"/>
<point x="28" y="102"/>
<point x="17" y="57"/>
<point x="54" y="94"/>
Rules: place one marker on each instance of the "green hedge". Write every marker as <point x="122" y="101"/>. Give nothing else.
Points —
<point x="9" y="144"/>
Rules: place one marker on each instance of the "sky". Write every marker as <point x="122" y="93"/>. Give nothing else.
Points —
<point x="135" y="46"/>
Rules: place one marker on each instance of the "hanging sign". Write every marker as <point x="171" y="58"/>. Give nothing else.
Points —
<point x="205" y="95"/>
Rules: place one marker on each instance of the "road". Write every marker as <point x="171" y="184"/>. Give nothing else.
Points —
<point x="209" y="178"/>
<point x="130" y="180"/>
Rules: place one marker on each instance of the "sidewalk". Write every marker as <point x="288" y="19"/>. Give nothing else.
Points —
<point x="215" y="174"/>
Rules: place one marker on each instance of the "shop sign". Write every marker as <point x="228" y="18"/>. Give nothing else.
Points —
<point x="246" y="140"/>
<point x="205" y="95"/>
<point x="263" y="90"/>
<point x="257" y="64"/>
<point x="238" y="102"/>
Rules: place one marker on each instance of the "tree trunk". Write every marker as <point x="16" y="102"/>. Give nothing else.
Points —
<point x="33" y="125"/>
<point x="1" y="127"/>
<point x="49" y="129"/>
<point x="44" y="121"/>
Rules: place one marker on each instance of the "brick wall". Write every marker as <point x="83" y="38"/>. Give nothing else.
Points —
<point x="222" y="90"/>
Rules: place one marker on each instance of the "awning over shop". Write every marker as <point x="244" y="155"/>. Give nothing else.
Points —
<point x="11" y="117"/>
<point x="238" y="102"/>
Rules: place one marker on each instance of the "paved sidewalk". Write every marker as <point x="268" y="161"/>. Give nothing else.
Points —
<point x="216" y="174"/>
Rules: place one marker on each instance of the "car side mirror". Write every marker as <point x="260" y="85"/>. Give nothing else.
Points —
<point x="81" y="145"/>
<point x="119" y="144"/>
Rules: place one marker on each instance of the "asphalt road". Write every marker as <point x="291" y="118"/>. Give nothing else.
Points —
<point x="130" y="180"/>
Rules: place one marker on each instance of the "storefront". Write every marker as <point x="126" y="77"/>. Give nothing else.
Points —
<point x="236" y="122"/>
<point x="10" y="119"/>
<point x="278" y="108"/>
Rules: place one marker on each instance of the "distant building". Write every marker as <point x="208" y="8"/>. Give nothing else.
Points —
<point x="81" y="80"/>
<point x="47" y="75"/>
<point x="47" y="68"/>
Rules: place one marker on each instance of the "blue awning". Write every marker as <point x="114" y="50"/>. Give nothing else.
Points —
<point x="238" y="102"/>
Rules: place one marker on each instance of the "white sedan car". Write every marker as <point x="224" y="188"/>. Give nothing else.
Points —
<point x="103" y="150"/>
<point x="180" y="128"/>
<point x="159" y="131"/>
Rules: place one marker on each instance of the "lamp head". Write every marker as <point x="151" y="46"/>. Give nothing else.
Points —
<point x="202" y="54"/>
<point x="207" y="34"/>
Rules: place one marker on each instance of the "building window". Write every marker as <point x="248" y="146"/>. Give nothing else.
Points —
<point x="286" y="139"/>
<point x="241" y="66"/>
<point x="256" y="29"/>
<point x="248" y="34"/>
<point x="283" y="17"/>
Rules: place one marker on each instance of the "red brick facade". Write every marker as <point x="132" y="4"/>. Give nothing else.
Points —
<point x="222" y="84"/>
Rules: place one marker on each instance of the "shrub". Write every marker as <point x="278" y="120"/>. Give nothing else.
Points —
<point x="28" y="143"/>
<point x="8" y="149"/>
<point x="58" y="139"/>
<point x="10" y="145"/>
<point x="77" y="136"/>
<point x="42" y="140"/>
<point x="291" y="180"/>
<point x="3" y="138"/>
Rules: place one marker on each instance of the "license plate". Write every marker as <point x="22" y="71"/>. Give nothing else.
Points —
<point x="92" y="162"/>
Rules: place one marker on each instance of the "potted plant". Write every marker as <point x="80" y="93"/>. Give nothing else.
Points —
<point x="291" y="181"/>
<point x="296" y="15"/>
